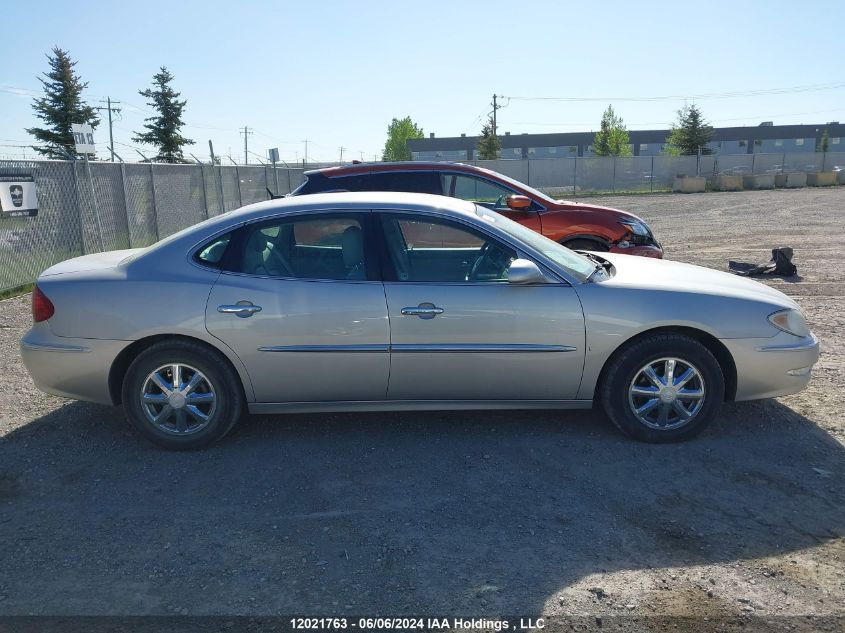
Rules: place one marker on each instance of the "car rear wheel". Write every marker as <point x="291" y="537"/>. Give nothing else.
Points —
<point x="663" y="388"/>
<point x="582" y="244"/>
<point x="182" y="395"/>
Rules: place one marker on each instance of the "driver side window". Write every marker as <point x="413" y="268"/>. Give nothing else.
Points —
<point x="481" y="192"/>
<point x="423" y="249"/>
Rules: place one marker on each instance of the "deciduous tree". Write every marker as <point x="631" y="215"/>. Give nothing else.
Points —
<point x="612" y="139"/>
<point x="398" y="133"/>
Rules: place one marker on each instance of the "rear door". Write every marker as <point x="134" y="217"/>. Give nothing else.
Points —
<point x="300" y="301"/>
<point x="460" y="331"/>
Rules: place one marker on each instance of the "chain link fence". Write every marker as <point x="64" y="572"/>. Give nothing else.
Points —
<point x="106" y="206"/>
<point x="636" y="174"/>
<point x="87" y="208"/>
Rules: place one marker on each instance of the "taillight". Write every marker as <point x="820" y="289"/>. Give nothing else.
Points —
<point x="42" y="307"/>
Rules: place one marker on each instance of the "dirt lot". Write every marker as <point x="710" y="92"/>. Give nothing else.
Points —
<point x="454" y="513"/>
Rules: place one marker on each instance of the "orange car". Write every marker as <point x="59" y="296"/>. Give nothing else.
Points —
<point x="573" y="224"/>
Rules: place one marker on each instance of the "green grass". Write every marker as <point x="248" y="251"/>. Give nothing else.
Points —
<point x="14" y="292"/>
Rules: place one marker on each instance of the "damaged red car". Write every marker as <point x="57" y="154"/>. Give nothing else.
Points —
<point x="578" y="226"/>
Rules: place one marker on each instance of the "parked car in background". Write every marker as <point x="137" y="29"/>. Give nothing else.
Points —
<point x="578" y="226"/>
<point x="393" y="301"/>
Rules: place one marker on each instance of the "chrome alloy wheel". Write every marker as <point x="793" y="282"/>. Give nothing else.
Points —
<point x="666" y="394"/>
<point x="178" y="399"/>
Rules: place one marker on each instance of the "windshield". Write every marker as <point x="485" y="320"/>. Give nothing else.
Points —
<point x="518" y="185"/>
<point x="576" y="265"/>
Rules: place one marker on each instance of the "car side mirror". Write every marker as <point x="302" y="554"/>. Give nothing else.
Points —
<point x="524" y="271"/>
<point x="518" y="203"/>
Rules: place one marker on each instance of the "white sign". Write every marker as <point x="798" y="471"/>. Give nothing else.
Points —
<point x="18" y="197"/>
<point x="83" y="138"/>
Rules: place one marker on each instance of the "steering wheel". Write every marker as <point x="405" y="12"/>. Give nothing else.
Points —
<point x="488" y="256"/>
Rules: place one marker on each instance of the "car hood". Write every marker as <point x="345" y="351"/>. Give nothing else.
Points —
<point x="661" y="274"/>
<point x="95" y="261"/>
<point x="617" y="214"/>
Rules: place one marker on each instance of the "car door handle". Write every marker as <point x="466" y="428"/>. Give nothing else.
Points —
<point x="423" y="311"/>
<point x="242" y="310"/>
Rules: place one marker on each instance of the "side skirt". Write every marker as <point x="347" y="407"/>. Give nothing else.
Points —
<point x="264" y="408"/>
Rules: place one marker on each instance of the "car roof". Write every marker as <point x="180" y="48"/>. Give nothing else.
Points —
<point x="344" y="200"/>
<point x="369" y="168"/>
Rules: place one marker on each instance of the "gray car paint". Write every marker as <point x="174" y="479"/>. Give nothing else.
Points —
<point x="564" y="331"/>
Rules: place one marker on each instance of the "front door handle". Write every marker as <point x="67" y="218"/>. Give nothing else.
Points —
<point x="423" y="311"/>
<point x="242" y="309"/>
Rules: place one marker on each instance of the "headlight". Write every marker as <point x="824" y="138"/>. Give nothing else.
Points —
<point x="637" y="228"/>
<point x="790" y="321"/>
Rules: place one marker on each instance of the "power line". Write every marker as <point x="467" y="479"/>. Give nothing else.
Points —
<point x="712" y="95"/>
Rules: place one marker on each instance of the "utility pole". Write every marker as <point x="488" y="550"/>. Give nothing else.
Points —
<point x="305" y="160"/>
<point x="246" y="132"/>
<point x="110" y="109"/>
<point x="341" y="153"/>
<point x="211" y="150"/>
<point x="496" y="107"/>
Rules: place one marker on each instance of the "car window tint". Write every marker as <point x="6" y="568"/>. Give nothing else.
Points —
<point x="316" y="247"/>
<point x="424" y="249"/>
<point x="481" y="192"/>
<point x="412" y="182"/>
<point x="212" y="253"/>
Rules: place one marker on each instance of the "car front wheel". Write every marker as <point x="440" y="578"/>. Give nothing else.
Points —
<point x="663" y="388"/>
<point x="181" y="395"/>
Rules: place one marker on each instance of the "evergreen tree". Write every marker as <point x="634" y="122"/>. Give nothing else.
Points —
<point x="163" y="129"/>
<point x="60" y="106"/>
<point x="690" y="133"/>
<point x="398" y="133"/>
<point x="489" y="144"/>
<point x="612" y="139"/>
<point x="823" y="143"/>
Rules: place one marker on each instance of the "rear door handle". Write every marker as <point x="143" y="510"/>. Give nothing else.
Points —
<point x="423" y="311"/>
<point x="241" y="309"/>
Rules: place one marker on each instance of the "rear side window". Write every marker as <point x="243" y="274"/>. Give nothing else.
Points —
<point x="211" y="254"/>
<point x="321" y="246"/>
<point x="411" y="182"/>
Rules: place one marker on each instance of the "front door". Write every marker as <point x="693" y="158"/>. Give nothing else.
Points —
<point x="301" y="304"/>
<point x="460" y="331"/>
<point x="493" y="196"/>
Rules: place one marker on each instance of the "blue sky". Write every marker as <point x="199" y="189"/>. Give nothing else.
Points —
<point x="337" y="72"/>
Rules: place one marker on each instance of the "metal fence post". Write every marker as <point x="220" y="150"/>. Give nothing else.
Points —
<point x="652" y="173"/>
<point x="574" y="175"/>
<point x="824" y="160"/>
<point x="753" y="162"/>
<point x="155" y="210"/>
<point x="613" y="181"/>
<point x="220" y="182"/>
<point x="125" y="203"/>
<point x="78" y="208"/>
<point x="94" y="202"/>
<point x="238" y="178"/>
<point x="204" y="193"/>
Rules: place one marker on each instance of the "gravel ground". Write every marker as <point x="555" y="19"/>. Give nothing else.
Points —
<point x="538" y="513"/>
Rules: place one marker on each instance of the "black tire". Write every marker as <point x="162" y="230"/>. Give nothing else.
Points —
<point x="585" y="244"/>
<point x="221" y="379"/>
<point x="626" y="366"/>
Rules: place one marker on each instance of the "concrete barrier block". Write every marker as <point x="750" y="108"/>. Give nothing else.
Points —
<point x="791" y="181"/>
<point x="759" y="181"/>
<point x="727" y="182"/>
<point x="821" y="179"/>
<point x="689" y="184"/>
<point x="840" y="177"/>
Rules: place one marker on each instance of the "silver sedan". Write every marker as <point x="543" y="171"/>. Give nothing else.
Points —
<point x="391" y="301"/>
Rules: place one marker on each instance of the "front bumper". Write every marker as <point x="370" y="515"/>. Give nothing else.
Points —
<point x="770" y="367"/>
<point x="75" y="368"/>
<point x="642" y="250"/>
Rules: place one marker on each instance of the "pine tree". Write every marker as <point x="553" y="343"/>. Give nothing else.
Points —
<point x="163" y="129"/>
<point x="488" y="143"/>
<point x="690" y="134"/>
<point x="60" y="106"/>
<point x="612" y="139"/>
